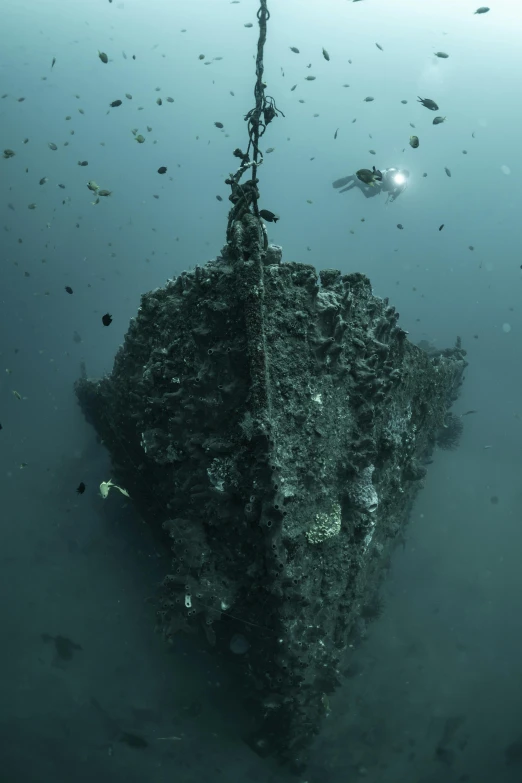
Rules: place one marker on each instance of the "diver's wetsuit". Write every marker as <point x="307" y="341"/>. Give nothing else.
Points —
<point x="352" y="181"/>
<point x="387" y="185"/>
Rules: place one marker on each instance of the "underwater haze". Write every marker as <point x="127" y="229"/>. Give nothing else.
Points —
<point x="88" y="691"/>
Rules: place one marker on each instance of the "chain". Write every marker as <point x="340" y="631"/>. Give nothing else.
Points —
<point x="244" y="197"/>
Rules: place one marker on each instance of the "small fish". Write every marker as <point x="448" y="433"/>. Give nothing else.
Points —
<point x="219" y="125"/>
<point x="61" y="186"/>
<point x="52" y="145"/>
<point x="17" y="394"/>
<point x="404" y="101"/>
<point x="219" y="198"/>
<point x="438" y="120"/>
<point x="369" y="177"/>
<point x="171" y="100"/>
<point x="399" y="225"/>
<point x="31" y="206"/>
<point x="248" y="24"/>
<point x="9" y="153"/>
<point x="369" y="99"/>
<point x="482" y="10"/>
<point x="93" y="186"/>
<point x="116" y="103"/>
<point x="326" y="55"/>
<point x="159" y="101"/>
<point x="269" y="150"/>
<point x="201" y="57"/>
<point x="162" y="170"/>
<point x="44" y="180"/>
<point x="83" y="163"/>
<point x="139" y="138"/>
<point x="294" y="49"/>
<point x="379" y="47"/>
<point x="470" y="247"/>
<point x="310" y="78"/>
<point x="443" y="55"/>
<point x="68" y="289"/>
<point x="336" y="132"/>
<point x="441" y="226"/>
<point x="107" y="319"/>
<point x="293" y="88"/>
<point x="53" y="62"/>
<point x="268" y="216"/>
<point x="468" y="413"/>
<point x="104" y="192"/>
<point x="128" y="96"/>
<point x="428" y="103"/>
<point x="133" y="740"/>
<point x="103" y="57"/>
<point x="80" y="489"/>
<point x="64" y="647"/>
<point x="414" y="142"/>
<point x="448" y="172"/>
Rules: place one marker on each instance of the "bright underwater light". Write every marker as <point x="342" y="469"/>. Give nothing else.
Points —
<point x="399" y="179"/>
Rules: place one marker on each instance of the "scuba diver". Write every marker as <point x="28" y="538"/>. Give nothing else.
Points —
<point x="372" y="182"/>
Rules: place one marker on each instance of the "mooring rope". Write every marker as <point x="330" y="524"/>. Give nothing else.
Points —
<point x="244" y="197"/>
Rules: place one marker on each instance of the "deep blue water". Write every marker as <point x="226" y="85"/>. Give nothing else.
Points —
<point x="444" y="661"/>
